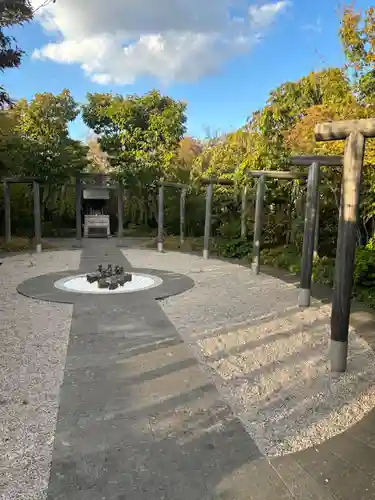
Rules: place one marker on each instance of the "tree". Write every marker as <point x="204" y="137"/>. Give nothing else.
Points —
<point x="357" y="33"/>
<point x="97" y="158"/>
<point x="140" y="133"/>
<point x="12" y="12"/>
<point x="38" y="142"/>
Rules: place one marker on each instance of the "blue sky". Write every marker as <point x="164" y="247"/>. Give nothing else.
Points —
<point x="302" y="38"/>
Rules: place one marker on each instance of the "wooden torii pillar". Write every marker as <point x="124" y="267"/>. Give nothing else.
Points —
<point x="311" y="229"/>
<point x="78" y="186"/>
<point x="35" y="182"/>
<point x="183" y="189"/>
<point x="262" y="175"/>
<point x="120" y="209"/>
<point x="354" y="132"/>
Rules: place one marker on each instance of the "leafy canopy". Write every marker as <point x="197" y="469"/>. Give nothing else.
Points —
<point x="140" y="133"/>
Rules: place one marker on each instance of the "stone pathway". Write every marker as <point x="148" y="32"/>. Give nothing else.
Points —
<point x="139" y="419"/>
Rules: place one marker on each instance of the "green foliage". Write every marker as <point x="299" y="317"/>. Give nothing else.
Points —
<point x="19" y="244"/>
<point x="239" y="248"/>
<point x="324" y="271"/>
<point x="285" y="257"/>
<point x="141" y="133"/>
<point x="12" y="12"/>
<point x="230" y="229"/>
<point x="364" y="274"/>
<point x="36" y="140"/>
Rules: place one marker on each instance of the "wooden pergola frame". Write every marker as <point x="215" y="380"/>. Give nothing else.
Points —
<point x="183" y="189"/>
<point x="35" y="182"/>
<point x="261" y="175"/>
<point x="79" y="186"/>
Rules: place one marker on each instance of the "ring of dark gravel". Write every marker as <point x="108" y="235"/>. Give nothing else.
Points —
<point x="43" y="287"/>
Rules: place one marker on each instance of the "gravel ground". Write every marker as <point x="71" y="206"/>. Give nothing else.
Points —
<point x="268" y="358"/>
<point x="33" y="338"/>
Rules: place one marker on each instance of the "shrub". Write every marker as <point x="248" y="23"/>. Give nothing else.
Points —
<point x="239" y="248"/>
<point x="364" y="272"/>
<point x="285" y="257"/>
<point x="324" y="270"/>
<point x="230" y="229"/>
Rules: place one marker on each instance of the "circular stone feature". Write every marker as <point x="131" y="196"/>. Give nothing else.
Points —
<point x="79" y="284"/>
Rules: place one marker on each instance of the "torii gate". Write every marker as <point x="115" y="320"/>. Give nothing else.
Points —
<point x="354" y="132"/>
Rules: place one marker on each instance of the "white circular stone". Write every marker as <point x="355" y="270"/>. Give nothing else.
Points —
<point x="79" y="284"/>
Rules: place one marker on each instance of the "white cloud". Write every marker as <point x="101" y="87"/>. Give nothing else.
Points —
<point x="116" y="41"/>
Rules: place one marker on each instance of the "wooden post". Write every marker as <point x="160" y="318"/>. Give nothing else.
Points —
<point x="345" y="253"/>
<point x="78" y="208"/>
<point x="207" y="223"/>
<point x="355" y="132"/>
<point x="259" y="208"/>
<point x="244" y="212"/>
<point x="309" y="235"/>
<point x="182" y="215"/>
<point x="37" y="217"/>
<point x="7" y="215"/>
<point x="316" y="236"/>
<point x="120" y="209"/>
<point x="161" y="219"/>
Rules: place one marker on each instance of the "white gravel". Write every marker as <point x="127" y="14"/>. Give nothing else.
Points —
<point x="268" y="358"/>
<point x="33" y="338"/>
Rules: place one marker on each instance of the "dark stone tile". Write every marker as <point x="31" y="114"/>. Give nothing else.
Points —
<point x="299" y="481"/>
<point x="255" y="480"/>
<point x="344" y="482"/>
<point x="354" y="453"/>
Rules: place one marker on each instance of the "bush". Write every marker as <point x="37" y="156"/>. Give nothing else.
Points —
<point x="239" y="248"/>
<point x="18" y="244"/>
<point x="285" y="257"/>
<point x="230" y="229"/>
<point x="324" y="271"/>
<point x="364" y="272"/>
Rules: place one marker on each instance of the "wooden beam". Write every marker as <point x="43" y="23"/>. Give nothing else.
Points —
<point x="161" y="219"/>
<point x="7" y="213"/>
<point x="244" y="212"/>
<point x="37" y="217"/>
<point x="84" y="185"/>
<point x="22" y="180"/>
<point x="309" y="235"/>
<point x="78" y="208"/>
<point x="332" y="131"/>
<point x="302" y="161"/>
<point x="277" y="174"/>
<point x="182" y="215"/>
<point x="345" y="253"/>
<point x="120" y="209"/>
<point x="220" y="182"/>
<point x="259" y="209"/>
<point x="271" y="174"/>
<point x="94" y="175"/>
<point x="207" y="222"/>
<point x="176" y="185"/>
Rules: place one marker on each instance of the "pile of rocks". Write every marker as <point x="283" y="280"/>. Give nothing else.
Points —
<point x="110" y="278"/>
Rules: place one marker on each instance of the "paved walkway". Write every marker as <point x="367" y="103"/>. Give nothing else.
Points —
<point x="139" y="419"/>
